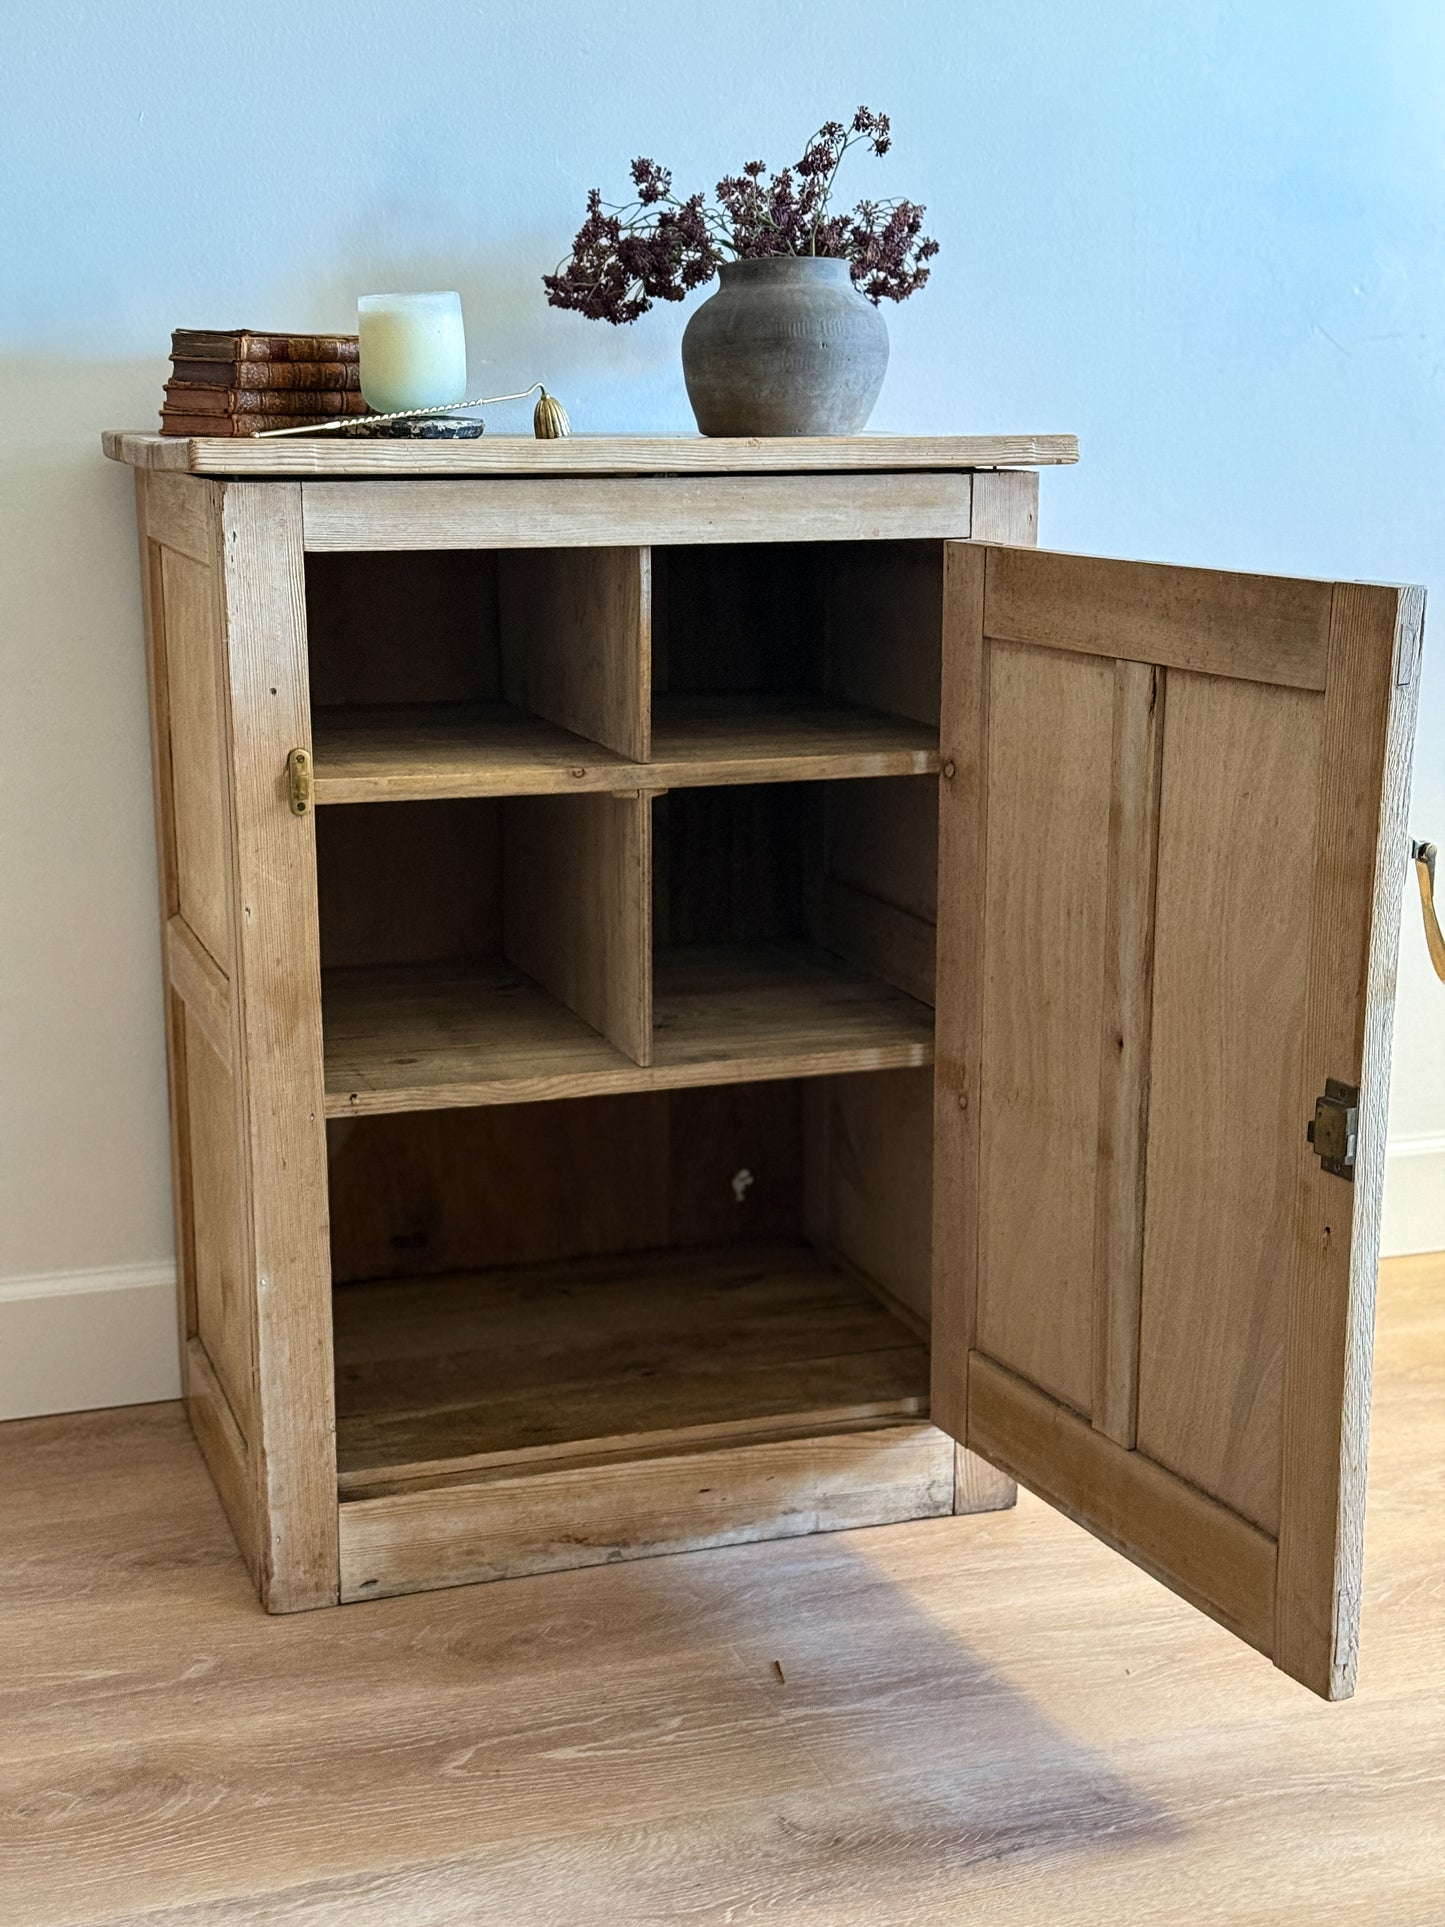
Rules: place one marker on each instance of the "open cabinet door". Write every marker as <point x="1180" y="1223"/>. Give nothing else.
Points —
<point x="1172" y="852"/>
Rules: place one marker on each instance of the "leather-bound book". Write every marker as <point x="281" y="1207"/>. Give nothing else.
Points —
<point x="269" y="374"/>
<point x="245" y="344"/>
<point x="172" y="424"/>
<point x="186" y="398"/>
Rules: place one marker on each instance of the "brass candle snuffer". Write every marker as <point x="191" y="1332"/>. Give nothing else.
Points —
<point x="549" y="418"/>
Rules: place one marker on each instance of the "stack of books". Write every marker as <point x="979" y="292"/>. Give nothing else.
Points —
<point x="233" y="381"/>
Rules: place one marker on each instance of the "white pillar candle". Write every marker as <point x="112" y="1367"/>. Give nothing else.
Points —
<point x="413" y="351"/>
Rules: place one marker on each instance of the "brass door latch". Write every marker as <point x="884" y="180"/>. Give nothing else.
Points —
<point x="1422" y="855"/>
<point x="298" y="781"/>
<point x="1334" y="1130"/>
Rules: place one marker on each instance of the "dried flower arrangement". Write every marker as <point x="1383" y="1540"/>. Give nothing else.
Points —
<point x="659" y="248"/>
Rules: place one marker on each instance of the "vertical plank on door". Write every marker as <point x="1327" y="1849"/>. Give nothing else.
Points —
<point x="1050" y="727"/>
<point x="1124" y="1044"/>
<point x="1231" y="956"/>
<point x="278" y="993"/>
<point x="1371" y="693"/>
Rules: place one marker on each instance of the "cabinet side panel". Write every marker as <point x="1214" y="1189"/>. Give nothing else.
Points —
<point x="1232" y="935"/>
<point x="278" y="999"/>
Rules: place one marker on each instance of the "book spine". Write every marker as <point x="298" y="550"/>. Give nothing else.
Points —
<point x="268" y="374"/>
<point x="237" y="424"/>
<point x="200" y="344"/>
<point x="187" y="399"/>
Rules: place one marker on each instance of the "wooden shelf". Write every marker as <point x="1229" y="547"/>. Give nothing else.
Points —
<point x="524" y="455"/>
<point x="413" y="753"/>
<point x="421" y="1037"/>
<point x="596" y="1357"/>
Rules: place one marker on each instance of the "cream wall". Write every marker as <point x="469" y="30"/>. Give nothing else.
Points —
<point x="1206" y="239"/>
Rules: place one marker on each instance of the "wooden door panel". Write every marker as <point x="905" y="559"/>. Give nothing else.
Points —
<point x="1231" y="953"/>
<point x="1171" y="847"/>
<point x="1050" y="720"/>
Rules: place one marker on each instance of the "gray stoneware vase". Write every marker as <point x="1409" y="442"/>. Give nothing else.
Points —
<point x="786" y="346"/>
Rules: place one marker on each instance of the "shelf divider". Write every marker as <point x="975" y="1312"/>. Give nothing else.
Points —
<point x="576" y="632"/>
<point x="576" y="908"/>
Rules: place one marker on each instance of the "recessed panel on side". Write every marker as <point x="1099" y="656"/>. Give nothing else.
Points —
<point x="197" y="752"/>
<point x="220" y="1307"/>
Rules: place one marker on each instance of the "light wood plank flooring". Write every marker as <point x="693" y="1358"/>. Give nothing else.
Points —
<point x="987" y="1719"/>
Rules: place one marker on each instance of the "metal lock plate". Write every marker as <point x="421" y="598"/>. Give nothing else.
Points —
<point x="1335" y="1128"/>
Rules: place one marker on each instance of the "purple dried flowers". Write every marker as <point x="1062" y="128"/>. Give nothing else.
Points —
<point x="659" y="248"/>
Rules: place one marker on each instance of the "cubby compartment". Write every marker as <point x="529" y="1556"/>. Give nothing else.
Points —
<point x="794" y="925"/>
<point x="499" y="942"/>
<point x="825" y="654"/>
<point x="475" y="673"/>
<point x="517" y="1287"/>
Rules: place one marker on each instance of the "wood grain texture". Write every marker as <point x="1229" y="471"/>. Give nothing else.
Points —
<point x="384" y="753"/>
<point x="530" y="514"/>
<point x="577" y="909"/>
<point x="1199" y="1548"/>
<point x="958" y="1025"/>
<point x="1006" y="507"/>
<point x="278" y="1001"/>
<point x="1355" y="889"/>
<point x="989" y="1719"/>
<point x="422" y="1193"/>
<point x="576" y="635"/>
<point x="872" y="1189"/>
<point x="588" y="454"/>
<point x="523" y="1365"/>
<point x="223" y="1318"/>
<point x="197" y="749"/>
<point x="1263" y="628"/>
<point x="883" y="626"/>
<point x="412" y="1038"/>
<point x="201" y="984"/>
<point x="1232" y="937"/>
<point x="1044" y="883"/>
<point x="504" y="1526"/>
<point x="1134" y="788"/>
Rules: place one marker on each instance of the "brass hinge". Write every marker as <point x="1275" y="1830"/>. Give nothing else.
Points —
<point x="298" y="781"/>
<point x="1334" y="1129"/>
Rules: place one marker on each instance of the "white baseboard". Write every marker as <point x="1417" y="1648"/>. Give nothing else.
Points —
<point x="74" y="1341"/>
<point x="1414" y="1213"/>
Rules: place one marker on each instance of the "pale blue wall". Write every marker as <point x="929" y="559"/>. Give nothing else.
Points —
<point x="1208" y="239"/>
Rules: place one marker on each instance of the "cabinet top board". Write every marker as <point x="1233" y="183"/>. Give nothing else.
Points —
<point x="338" y="457"/>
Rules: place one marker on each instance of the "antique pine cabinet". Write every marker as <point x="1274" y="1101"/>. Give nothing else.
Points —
<point x="716" y="991"/>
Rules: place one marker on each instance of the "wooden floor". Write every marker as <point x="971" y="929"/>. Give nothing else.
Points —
<point x="974" y="1719"/>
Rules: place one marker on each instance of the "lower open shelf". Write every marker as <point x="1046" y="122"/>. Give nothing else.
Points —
<point x="420" y="1036"/>
<point x="548" y="1364"/>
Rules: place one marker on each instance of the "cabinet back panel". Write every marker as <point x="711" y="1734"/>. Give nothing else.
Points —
<point x="439" y="1191"/>
<point x="409" y="882"/>
<point x="396" y="627"/>
<point x="738" y="619"/>
<point x="884" y="616"/>
<point x="735" y="864"/>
